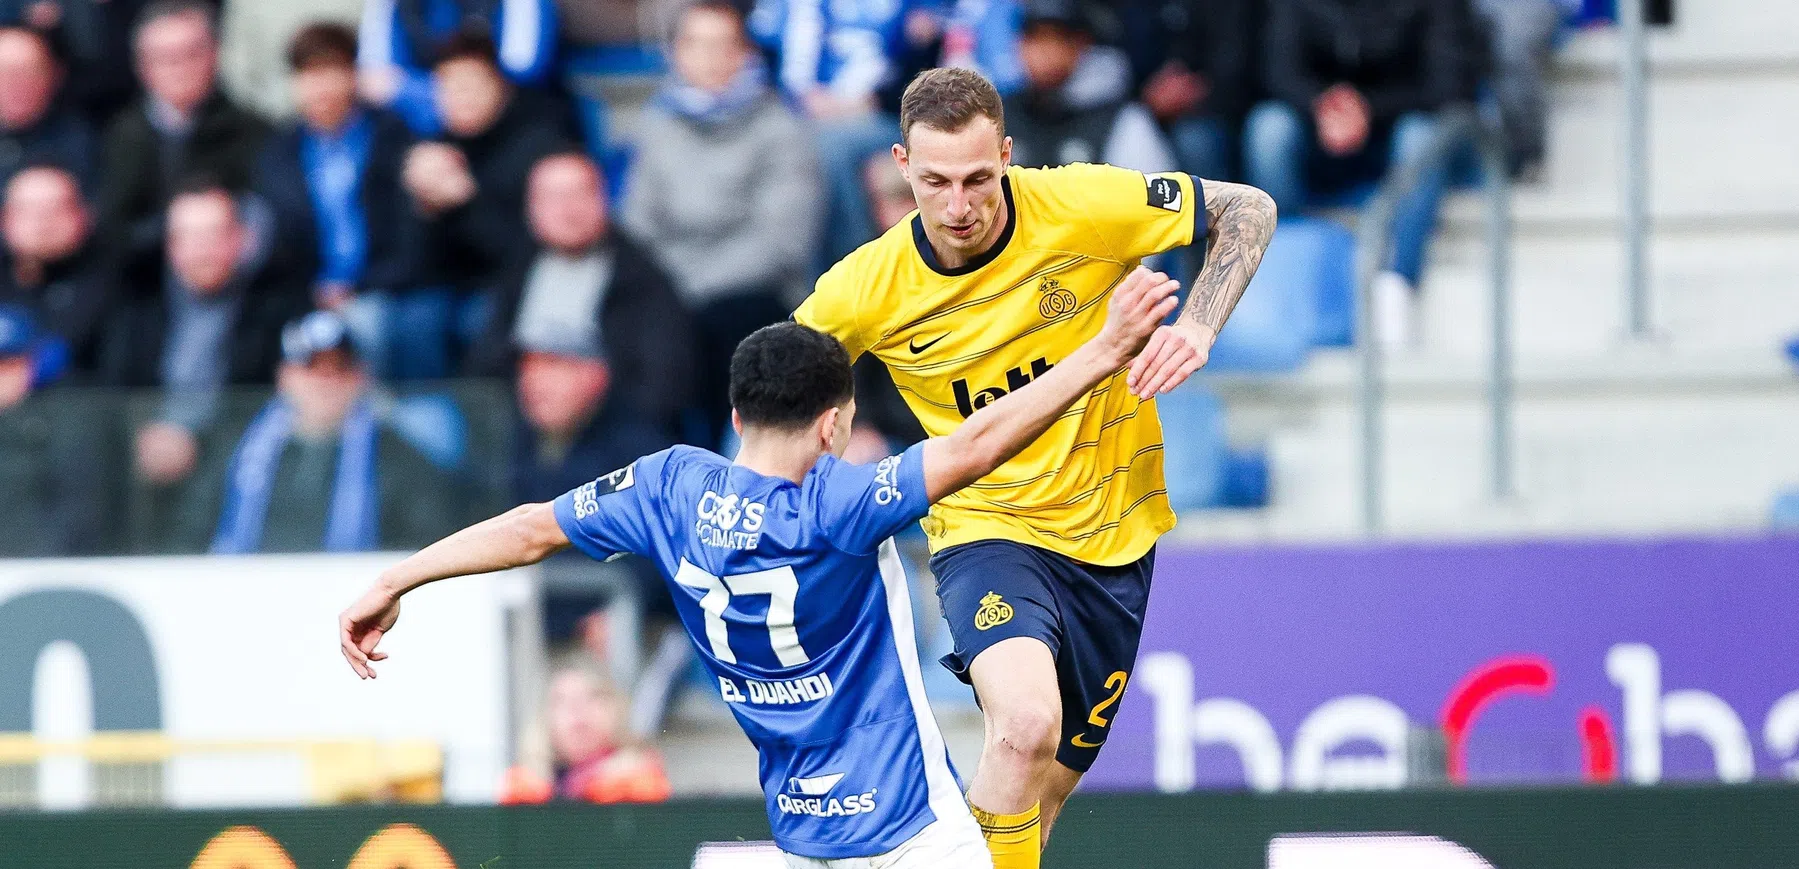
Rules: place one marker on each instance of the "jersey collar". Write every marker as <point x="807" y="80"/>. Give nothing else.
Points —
<point x="923" y="244"/>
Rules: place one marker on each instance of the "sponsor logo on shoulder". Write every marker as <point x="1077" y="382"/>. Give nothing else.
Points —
<point x="1164" y="192"/>
<point x="587" y="498"/>
<point x="811" y="796"/>
<point x="887" y="477"/>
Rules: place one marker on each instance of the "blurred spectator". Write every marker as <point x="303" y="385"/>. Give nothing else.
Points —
<point x="50" y="480"/>
<point x="880" y="410"/>
<point x="983" y="35"/>
<point x="91" y="36"/>
<point x="181" y="128"/>
<point x="728" y="196"/>
<point x="1522" y="33"/>
<point x="1355" y="86"/>
<point x="33" y="127"/>
<point x="317" y="470"/>
<point x="51" y="265"/>
<point x="215" y="321"/>
<point x="1193" y="62"/>
<point x="1048" y="128"/>
<point x="590" y="288"/>
<point x="254" y="38"/>
<point x="469" y="191"/>
<point x="402" y="38"/>
<point x="835" y="60"/>
<point x="570" y="430"/>
<point x="333" y="181"/>
<point x="596" y="758"/>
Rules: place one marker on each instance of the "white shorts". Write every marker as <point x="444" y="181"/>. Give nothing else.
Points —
<point x="952" y="843"/>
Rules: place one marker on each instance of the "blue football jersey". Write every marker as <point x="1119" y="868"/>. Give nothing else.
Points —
<point x="795" y="598"/>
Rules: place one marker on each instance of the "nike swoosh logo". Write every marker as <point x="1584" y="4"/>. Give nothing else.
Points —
<point x="1080" y="741"/>
<point x="916" y="347"/>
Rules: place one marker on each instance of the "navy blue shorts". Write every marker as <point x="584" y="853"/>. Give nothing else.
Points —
<point x="1090" y="616"/>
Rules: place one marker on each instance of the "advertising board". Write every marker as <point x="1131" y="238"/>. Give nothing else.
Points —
<point x="220" y="649"/>
<point x="1352" y="666"/>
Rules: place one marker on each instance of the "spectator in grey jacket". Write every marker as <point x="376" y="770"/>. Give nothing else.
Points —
<point x="727" y="196"/>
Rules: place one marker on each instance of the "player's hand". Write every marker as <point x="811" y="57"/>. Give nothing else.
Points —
<point x="362" y="626"/>
<point x="1139" y="304"/>
<point x="1172" y="355"/>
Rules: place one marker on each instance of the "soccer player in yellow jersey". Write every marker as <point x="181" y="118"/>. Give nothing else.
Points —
<point x="1043" y="567"/>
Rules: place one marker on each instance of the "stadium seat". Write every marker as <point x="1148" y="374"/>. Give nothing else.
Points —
<point x="1786" y="510"/>
<point x="1195" y="454"/>
<point x="1303" y="296"/>
<point x="1246" y="479"/>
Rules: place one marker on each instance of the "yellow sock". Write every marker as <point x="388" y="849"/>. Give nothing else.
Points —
<point x="1014" y="840"/>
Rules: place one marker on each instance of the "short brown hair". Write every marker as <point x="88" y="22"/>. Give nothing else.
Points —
<point x="948" y="99"/>
<point x="322" y="43"/>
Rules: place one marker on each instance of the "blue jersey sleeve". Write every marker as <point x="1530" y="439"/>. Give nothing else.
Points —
<point x="863" y="505"/>
<point x="612" y="515"/>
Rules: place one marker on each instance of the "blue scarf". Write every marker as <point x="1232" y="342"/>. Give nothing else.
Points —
<point x="705" y="107"/>
<point x="250" y="481"/>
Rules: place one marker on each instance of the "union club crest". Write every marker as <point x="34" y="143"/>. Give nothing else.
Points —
<point x="994" y="612"/>
<point x="1057" y="300"/>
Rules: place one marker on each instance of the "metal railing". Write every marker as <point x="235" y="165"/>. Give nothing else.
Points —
<point x="1634" y="83"/>
<point x="1457" y="126"/>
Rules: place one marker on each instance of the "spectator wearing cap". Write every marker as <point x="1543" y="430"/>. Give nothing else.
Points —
<point x="1355" y="87"/>
<point x="34" y="127"/>
<point x="728" y="199"/>
<point x="182" y="128"/>
<point x="317" y="470"/>
<point x="1050" y="126"/>
<point x="215" y="321"/>
<point x="50" y="263"/>
<point x="1194" y="66"/>
<point x="333" y="181"/>
<point x="594" y="289"/>
<point x="402" y="38"/>
<point x="468" y="190"/>
<point x="50" y="479"/>
<point x="91" y="35"/>
<point x="840" y="61"/>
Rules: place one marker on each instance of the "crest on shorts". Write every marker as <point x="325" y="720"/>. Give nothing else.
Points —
<point x="1057" y="299"/>
<point x="994" y="612"/>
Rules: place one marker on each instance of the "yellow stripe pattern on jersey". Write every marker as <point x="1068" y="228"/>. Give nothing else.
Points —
<point x="956" y="340"/>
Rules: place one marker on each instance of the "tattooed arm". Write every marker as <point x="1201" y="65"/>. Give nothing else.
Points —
<point x="1240" y="220"/>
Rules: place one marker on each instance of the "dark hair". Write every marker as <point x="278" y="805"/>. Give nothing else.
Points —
<point x="785" y="375"/>
<point x="948" y="99"/>
<point x="160" y="9"/>
<point x="466" y="45"/>
<point x="322" y="43"/>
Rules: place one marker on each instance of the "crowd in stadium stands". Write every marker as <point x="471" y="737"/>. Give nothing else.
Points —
<point x="343" y="199"/>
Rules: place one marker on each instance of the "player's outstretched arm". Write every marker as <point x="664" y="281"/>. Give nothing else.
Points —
<point x="523" y="535"/>
<point x="1240" y="221"/>
<point x="999" y="431"/>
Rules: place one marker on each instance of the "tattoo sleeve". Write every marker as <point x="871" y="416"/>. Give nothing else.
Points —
<point x="1241" y="221"/>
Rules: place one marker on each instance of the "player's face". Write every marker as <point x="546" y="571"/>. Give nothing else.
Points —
<point x="955" y="178"/>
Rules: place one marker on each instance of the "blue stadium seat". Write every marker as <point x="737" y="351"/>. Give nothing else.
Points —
<point x="1302" y="297"/>
<point x="1785" y="516"/>
<point x="1195" y="456"/>
<point x="1246" y="478"/>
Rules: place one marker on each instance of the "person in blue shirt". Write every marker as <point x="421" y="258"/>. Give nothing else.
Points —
<point x="400" y="38"/>
<point x="785" y="579"/>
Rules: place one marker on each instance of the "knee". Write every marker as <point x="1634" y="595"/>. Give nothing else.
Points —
<point x="1027" y="732"/>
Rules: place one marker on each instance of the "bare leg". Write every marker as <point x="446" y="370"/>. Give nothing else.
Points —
<point x="1016" y="682"/>
<point x="1058" y="782"/>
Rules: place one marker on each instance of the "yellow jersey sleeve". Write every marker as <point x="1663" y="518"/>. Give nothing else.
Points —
<point x="834" y="308"/>
<point x="1137" y="215"/>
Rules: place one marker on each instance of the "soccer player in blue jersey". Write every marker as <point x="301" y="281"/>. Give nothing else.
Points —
<point x="784" y="576"/>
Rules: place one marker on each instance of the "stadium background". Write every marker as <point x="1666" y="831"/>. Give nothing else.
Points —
<point x="1508" y="583"/>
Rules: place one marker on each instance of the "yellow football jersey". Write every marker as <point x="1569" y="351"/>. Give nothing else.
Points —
<point x="956" y="340"/>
